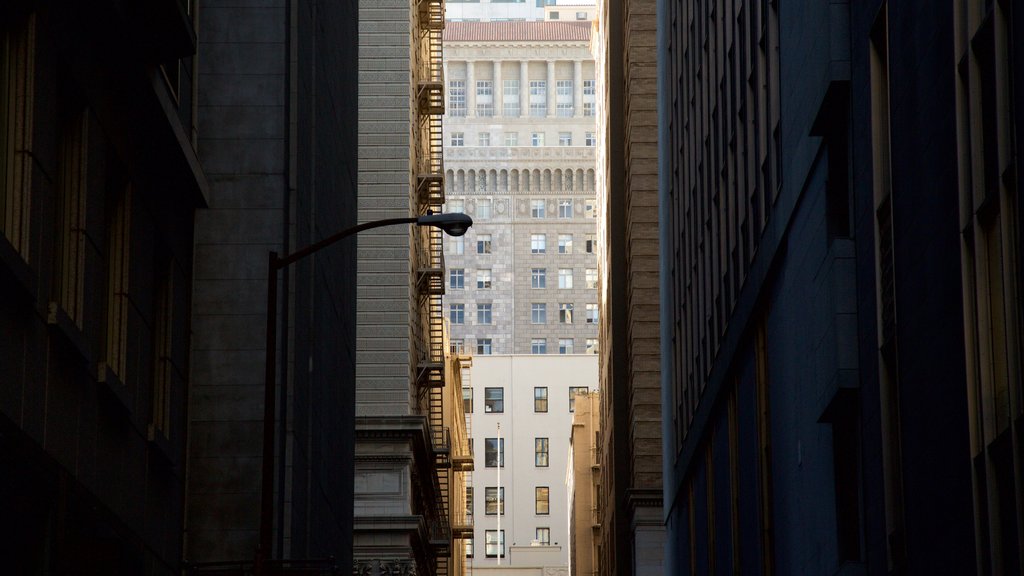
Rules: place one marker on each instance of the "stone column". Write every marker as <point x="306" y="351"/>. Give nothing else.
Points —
<point x="470" y="89"/>
<point x="499" y="90"/>
<point x="577" y="88"/>
<point x="551" y="89"/>
<point x="524" y="88"/>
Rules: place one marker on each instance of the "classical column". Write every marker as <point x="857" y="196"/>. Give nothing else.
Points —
<point x="577" y="88"/>
<point x="551" y="89"/>
<point x="524" y="88"/>
<point x="499" y="90"/>
<point x="470" y="89"/>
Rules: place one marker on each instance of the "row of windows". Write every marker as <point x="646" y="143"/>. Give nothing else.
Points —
<point x="538" y="315"/>
<point x="484" y="346"/>
<point x="538" y="208"/>
<point x="495" y="542"/>
<point x="511" y="107"/>
<point x="538" y="245"/>
<point x="538" y="278"/>
<point x="494" y="403"/>
<point x="494" y="500"/>
<point x="512" y="139"/>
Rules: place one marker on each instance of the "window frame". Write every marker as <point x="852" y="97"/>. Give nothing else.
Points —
<point x="542" y="500"/>
<point x="494" y="405"/>
<point x="540" y="394"/>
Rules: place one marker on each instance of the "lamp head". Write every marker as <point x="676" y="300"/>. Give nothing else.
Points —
<point x="453" y="224"/>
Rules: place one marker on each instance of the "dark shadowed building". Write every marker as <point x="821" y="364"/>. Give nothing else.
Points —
<point x="99" y="182"/>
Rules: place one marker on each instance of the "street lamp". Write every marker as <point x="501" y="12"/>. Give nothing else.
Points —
<point x="453" y="224"/>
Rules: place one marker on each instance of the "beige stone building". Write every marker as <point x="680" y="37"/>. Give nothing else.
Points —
<point x="583" y="480"/>
<point x="632" y="530"/>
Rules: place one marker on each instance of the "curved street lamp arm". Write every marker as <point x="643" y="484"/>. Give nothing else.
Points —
<point x="281" y="262"/>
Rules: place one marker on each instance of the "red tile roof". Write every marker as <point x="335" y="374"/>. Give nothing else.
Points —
<point x="516" y="31"/>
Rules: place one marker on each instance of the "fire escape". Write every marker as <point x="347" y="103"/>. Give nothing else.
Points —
<point x="430" y="268"/>
<point x="462" y="461"/>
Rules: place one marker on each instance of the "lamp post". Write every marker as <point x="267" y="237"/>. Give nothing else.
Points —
<point x="452" y="224"/>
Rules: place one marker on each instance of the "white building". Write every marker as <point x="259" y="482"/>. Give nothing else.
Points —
<point x="519" y="499"/>
<point x="487" y="10"/>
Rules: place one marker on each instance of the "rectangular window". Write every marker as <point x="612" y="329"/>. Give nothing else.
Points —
<point x="591" y="278"/>
<point x="538" y="346"/>
<point x="510" y="102"/>
<point x="591" y="244"/>
<point x="456" y="346"/>
<point x="456" y="278"/>
<point x="17" y="93"/>
<point x="494" y="543"/>
<point x="483" y="243"/>
<point x="591" y="313"/>
<point x="537" y="210"/>
<point x="565" y="278"/>
<point x="591" y="345"/>
<point x="563" y="96"/>
<point x="537" y="139"/>
<point x="457" y="313"/>
<point x="540" y="452"/>
<point x="588" y="108"/>
<point x="538" y="242"/>
<point x="539" y="278"/>
<point x="543" y="535"/>
<point x="565" y="345"/>
<point x="565" y="210"/>
<point x="467" y="403"/>
<point x="469" y="548"/>
<point x="540" y="399"/>
<point x="469" y="494"/>
<point x="458" y="244"/>
<point x="483" y="314"/>
<point x="458" y="139"/>
<point x="565" y="138"/>
<point x="538" y="98"/>
<point x="590" y="140"/>
<point x="581" y="15"/>
<point x="457" y="98"/>
<point x="565" y="313"/>
<point x="483" y="346"/>
<point x="494" y="501"/>
<point x="588" y="97"/>
<point x="483" y="209"/>
<point x="456" y="206"/>
<point x="573" y="391"/>
<point x="118" y="258"/>
<point x="538" y="313"/>
<point x="163" y="347"/>
<point x="565" y="240"/>
<point x="553" y="15"/>
<point x="494" y="452"/>
<point x="483" y="139"/>
<point x="511" y="138"/>
<point x="494" y="400"/>
<point x="542" y="505"/>
<point x="483" y="279"/>
<point x="590" y="208"/>
<point x="484" y="98"/>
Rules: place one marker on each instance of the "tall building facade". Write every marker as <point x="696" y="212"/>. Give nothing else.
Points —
<point x="99" y="185"/>
<point x="583" y="481"/>
<point x="521" y="408"/>
<point x="488" y="10"/>
<point x="519" y="137"/>
<point x="632" y="532"/>
<point x="839" y="248"/>
<point x="277" y="95"/>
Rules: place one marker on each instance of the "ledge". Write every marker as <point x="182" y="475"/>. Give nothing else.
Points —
<point x="65" y="327"/>
<point x="14" y="266"/>
<point x="114" y="389"/>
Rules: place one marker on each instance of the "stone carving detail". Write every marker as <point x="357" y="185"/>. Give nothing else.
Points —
<point x="393" y="567"/>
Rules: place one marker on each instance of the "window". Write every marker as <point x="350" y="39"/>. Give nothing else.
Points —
<point x="457" y="244"/>
<point x="542" y="496"/>
<point x="540" y="399"/>
<point x="591" y="313"/>
<point x="590" y="208"/>
<point x="483" y="314"/>
<point x="456" y="346"/>
<point x="537" y="210"/>
<point x="590" y="140"/>
<point x="510" y="102"/>
<point x="554" y="15"/>
<point x="483" y="243"/>
<point x="540" y="452"/>
<point x="565" y="278"/>
<point x="573" y="391"/>
<point x="581" y="15"/>
<point x="17" y="92"/>
<point x="494" y="501"/>
<point x="565" y="211"/>
<point x="588" y="108"/>
<point x="469" y="493"/>
<point x="458" y="139"/>
<point x="457" y="98"/>
<point x="588" y="97"/>
<point x="494" y="543"/>
<point x="494" y="452"/>
<point x="456" y="278"/>
<point x="539" y="278"/>
<point x="538" y="243"/>
<point x="457" y="206"/>
<point x="565" y="345"/>
<point x="484" y="98"/>
<point x="543" y="536"/>
<point x="483" y="139"/>
<point x="591" y="244"/>
<point x="564" y="242"/>
<point x="591" y="345"/>
<point x="538" y="98"/>
<point x="538" y="346"/>
<point x="563" y="96"/>
<point x="537" y="139"/>
<point x="469" y="548"/>
<point x="494" y="401"/>
<point x="565" y="138"/>
<point x="565" y="313"/>
<point x="591" y="278"/>
<point x="119" y="243"/>
<point x="511" y="138"/>
<point x="457" y="313"/>
<point x="467" y="407"/>
<point x="483" y="210"/>
<point x="538" y="313"/>
<point x="483" y="279"/>
<point x="72" y="181"/>
<point x="483" y="346"/>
